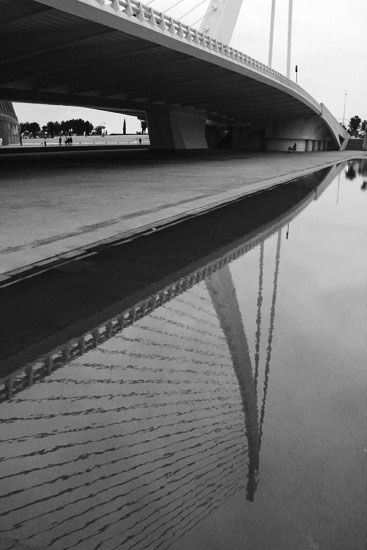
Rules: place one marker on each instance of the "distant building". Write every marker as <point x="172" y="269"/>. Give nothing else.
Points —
<point x="9" y="125"/>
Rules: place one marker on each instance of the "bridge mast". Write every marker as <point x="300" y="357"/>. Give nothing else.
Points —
<point x="220" y="19"/>
<point x="271" y="38"/>
<point x="289" y="46"/>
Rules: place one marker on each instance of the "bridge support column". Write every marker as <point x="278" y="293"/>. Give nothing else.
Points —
<point x="308" y="145"/>
<point x="173" y="129"/>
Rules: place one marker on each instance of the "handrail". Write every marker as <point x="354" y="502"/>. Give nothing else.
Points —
<point x="161" y="22"/>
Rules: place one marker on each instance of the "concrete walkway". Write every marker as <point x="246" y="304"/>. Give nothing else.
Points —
<point x="58" y="204"/>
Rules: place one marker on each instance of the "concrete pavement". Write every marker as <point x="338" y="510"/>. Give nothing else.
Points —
<point x="57" y="205"/>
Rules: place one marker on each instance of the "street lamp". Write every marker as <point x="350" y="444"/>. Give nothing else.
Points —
<point x="345" y="104"/>
<point x="289" y="48"/>
<point x="271" y="38"/>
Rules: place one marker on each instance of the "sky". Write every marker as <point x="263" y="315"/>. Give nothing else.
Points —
<point x="329" y="47"/>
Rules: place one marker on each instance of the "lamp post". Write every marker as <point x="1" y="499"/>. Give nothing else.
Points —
<point x="271" y="37"/>
<point x="289" y="48"/>
<point x="345" y="104"/>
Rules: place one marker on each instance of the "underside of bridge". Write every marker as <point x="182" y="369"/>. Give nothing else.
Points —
<point x="77" y="53"/>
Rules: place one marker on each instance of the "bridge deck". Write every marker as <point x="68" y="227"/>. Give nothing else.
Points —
<point x="114" y="61"/>
<point x="131" y="191"/>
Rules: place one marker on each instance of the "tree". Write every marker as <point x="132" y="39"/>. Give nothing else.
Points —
<point x="354" y="123"/>
<point x="78" y="126"/>
<point x="30" y="127"/>
<point x="144" y="126"/>
<point x="34" y="128"/>
<point x="88" y="127"/>
<point x="364" y="126"/>
<point x="124" y="127"/>
<point x="98" y="130"/>
<point x="24" y="127"/>
<point x="53" y="128"/>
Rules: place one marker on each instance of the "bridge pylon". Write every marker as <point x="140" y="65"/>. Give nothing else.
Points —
<point x="220" y="19"/>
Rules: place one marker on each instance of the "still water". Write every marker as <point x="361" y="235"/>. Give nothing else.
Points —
<point x="231" y="414"/>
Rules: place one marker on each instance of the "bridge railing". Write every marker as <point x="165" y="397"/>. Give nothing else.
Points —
<point x="181" y="31"/>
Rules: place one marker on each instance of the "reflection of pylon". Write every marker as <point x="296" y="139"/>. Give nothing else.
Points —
<point x="223" y="295"/>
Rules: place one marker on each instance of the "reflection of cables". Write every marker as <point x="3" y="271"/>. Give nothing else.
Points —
<point x="258" y="317"/>
<point x="271" y="332"/>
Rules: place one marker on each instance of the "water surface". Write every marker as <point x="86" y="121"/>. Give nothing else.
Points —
<point x="229" y="415"/>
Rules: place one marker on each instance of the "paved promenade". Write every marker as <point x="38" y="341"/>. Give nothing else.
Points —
<point x="58" y="204"/>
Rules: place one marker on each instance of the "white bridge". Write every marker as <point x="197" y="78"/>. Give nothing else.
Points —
<point x="194" y="89"/>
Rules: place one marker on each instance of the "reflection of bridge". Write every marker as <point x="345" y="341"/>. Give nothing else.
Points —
<point x="127" y="57"/>
<point x="140" y="439"/>
<point x="49" y="356"/>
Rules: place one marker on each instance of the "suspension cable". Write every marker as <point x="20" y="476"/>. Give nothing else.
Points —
<point x="271" y="333"/>
<point x="193" y="9"/>
<point x="173" y="6"/>
<point x="197" y="21"/>
<point x="259" y="316"/>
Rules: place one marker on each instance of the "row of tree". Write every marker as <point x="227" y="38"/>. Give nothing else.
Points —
<point x="76" y="126"/>
<point x="356" y="125"/>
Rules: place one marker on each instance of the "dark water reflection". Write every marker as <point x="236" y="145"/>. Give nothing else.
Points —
<point x="231" y="416"/>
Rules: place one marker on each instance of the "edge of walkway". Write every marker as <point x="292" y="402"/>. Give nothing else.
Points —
<point x="142" y="227"/>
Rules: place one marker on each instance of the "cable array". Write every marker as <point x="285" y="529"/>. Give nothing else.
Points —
<point x="196" y="9"/>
